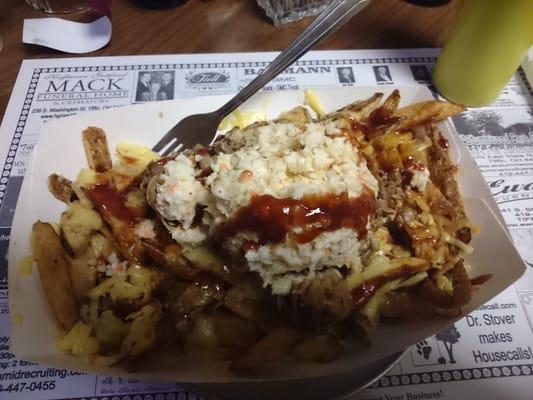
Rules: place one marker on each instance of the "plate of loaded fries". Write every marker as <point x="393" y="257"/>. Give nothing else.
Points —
<point x="320" y="232"/>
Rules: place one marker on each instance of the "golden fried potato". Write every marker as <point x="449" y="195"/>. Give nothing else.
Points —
<point x="462" y="286"/>
<point x="53" y="270"/>
<point x="76" y="225"/>
<point x="82" y="275"/>
<point x="252" y="309"/>
<point x="171" y="259"/>
<point x="203" y="333"/>
<point x="198" y="295"/>
<point x="401" y="304"/>
<point x="142" y="333"/>
<point x="298" y="115"/>
<point x="320" y="348"/>
<point x="132" y="160"/>
<point x="233" y="331"/>
<point x="82" y="269"/>
<point x="96" y="149"/>
<point x="205" y="260"/>
<point x="60" y="187"/>
<point x="358" y="111"/>
<point x="426" y="112"/>
<point x="271" y="347"/>
<point x="391" y="103"/>
<point x="119" y="218"/>
<point x="442" y="174"/>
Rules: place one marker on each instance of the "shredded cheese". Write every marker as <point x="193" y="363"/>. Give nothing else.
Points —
<point x="313" y="101"/>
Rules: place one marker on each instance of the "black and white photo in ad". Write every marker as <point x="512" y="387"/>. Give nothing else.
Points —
<point x="345" y="75"/>
<point x="382" y="74"/>
<point x="154" y="86"/>
<point x="420" y="73"/>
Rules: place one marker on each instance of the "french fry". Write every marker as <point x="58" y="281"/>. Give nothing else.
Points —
<point x="462" y="286"/>
<point x="171" y="259"/>
<point x="145" y="289"/>
<point x="82" y="274"/>
<point x="426" y="112"/>
<point x="128" y="244"/>
<point x="298" y="115"/>
<point x="205" y="260"/>
<point x="203" y="333"/>
<point x="77" y="224"/>
<point x="270" y="348"/>
<point x="96" y="149"/>
<point x="60" y="187"/>
<point x="132" y="162"/>
<point x="406" y="305"/>
<point x="53" y="270"/>
<point x="255" y="310"/>
<point x="320" y="348"/>
<point x="197" y="296"/>
<point x="359" y="110"/>
<point x="391" y="103"/>
<point x="233" y="331"/>
<point x="439" y="166"/>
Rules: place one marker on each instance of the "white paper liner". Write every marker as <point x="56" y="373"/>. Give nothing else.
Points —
<point x="494" y="252"/>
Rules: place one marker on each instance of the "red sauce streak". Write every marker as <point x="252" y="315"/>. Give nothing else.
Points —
<point x="362" y="294"/>
<point x="358" y="126"/>
<point x="481" y="279"/>
<point x="163" y="160"/>
<point x="110" y="203"/>
<point x="413" y="164"/>
<point x="443" y="142"/>
<point x="379" y="117"/>
<point x="272" y="219"/>
<point x="249" y="245"/>
<point x="201" y="152"/>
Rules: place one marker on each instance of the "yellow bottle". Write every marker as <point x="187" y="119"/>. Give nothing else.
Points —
<point x="487" y="42"/>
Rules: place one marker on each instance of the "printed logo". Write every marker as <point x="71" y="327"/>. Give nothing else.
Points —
<point x="430" y="352"/>
<point x="209" y="79"/>
<point x="72" y="87"/>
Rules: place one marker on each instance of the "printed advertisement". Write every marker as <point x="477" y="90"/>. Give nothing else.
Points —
<point x="488" y="354"/>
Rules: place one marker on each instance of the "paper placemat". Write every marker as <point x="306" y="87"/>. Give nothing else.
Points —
<point x="488" y="354"/>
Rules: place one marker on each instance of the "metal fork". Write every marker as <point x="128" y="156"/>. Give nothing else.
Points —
<point x="202" y="128"/>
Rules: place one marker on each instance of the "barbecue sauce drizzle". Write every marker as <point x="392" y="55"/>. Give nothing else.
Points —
<point x="110" y="203"/>
<point x="271" y="219"/>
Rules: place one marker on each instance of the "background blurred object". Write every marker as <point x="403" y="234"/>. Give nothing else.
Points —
<point x="428" y="3"/>
<point x="80" y="26"/>
<point x="59" y="6"/>
<point x="160" y="4"/>
<point x="283" y="11"/>
<point x="527" y="66"/>
<point x="487" y="43"/>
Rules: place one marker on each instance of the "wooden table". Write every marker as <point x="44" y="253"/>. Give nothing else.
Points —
<point x="225" y="26"/>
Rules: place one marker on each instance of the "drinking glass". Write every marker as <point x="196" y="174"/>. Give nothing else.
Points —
<point x="59" y="6"/>
<point x="487" y="42"/>
<point x="283" y="11"/>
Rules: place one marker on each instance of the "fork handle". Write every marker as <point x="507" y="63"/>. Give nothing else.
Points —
<point x="333" y="17"/>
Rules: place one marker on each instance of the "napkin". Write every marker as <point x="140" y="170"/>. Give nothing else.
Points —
<point x="69" y="36"/>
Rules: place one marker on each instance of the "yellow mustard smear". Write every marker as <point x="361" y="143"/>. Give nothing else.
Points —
<point x="25" y="266"/>
<point x="16" y="319"/>
<point x="313" y="101"/>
